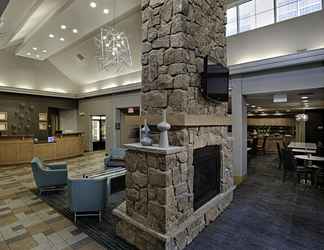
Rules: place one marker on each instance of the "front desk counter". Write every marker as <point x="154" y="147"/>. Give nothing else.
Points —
<point x="19" y="149"/>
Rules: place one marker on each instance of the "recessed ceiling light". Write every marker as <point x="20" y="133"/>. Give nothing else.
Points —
<point x="253" y="106"/>
<point x="35" y="48"/>
<point x="51" y="36"/>
<point x="44" y="51"/>
<point x="38" y="56"/>
<point x="305" y="101"/>
<point x="304" y="97"/>
<point x="93" y="5"/>
<point x="28" y="54"/>
<point x="75" y="31"/>
<point x="63" y="27"/>
<point x="62" y="39"/>
<point x="106" y="11"/>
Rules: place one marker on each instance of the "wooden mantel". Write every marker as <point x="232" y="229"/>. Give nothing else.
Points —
<point x="183" y="120"/>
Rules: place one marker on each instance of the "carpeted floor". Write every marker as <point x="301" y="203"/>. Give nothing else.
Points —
<point x="268" y="214"/>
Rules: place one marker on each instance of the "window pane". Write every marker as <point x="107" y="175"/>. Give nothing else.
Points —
<point x="231" y="27"/>
<point x="95" y="131"/>
<point x="247" y="16"/>
<point x="309" y="6"/>
<point x="286" y="9"/>
<point x="264" y="12"/>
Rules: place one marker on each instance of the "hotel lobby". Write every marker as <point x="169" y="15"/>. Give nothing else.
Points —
<point x="161" y="124"/>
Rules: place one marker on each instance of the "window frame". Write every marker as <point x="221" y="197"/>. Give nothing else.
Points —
<point x="275" y="13"/>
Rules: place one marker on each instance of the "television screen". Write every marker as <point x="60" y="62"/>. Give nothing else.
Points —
<point x="215" y="81"/>
<point x="51" y="139"/>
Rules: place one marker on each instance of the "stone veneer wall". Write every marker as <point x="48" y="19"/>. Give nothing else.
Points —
<point x="158" y="213"/>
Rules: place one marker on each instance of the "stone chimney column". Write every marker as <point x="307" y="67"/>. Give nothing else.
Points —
<point x="158" y="212"/>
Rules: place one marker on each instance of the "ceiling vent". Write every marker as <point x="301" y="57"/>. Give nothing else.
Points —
<point x="80" y="57"/>
<point x="280" y="98"/>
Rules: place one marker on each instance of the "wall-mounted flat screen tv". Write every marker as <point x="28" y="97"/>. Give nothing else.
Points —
<point x="215" y="81"/>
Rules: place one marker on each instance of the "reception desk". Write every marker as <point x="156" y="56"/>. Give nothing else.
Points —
<point x="18" y="150"/>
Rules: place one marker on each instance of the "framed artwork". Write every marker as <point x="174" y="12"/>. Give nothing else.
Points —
<point x="3" y="126"/>
<point x="43" y="116"/>
<point x="42" y="125"/>
<point x="3" y="116"/>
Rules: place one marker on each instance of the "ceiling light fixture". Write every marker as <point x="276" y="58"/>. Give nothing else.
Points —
<point x="302" y="117"/>
<point x="28" y="54"/>
<point x="106" y="11"/>
<point x="304" y="97"/>
<point x="35" y="49"/>
<point x="62" y="39"/>
<point x="93" y="5"/>
<point x="38" y="56"/>
<point x="51" y="36"/>
<point x="63" y="27"/>
<point x="44" y="51"/>
<point x="304" y="101"/>
<point x="112" y="48"/>
<point x="75" y="31"/>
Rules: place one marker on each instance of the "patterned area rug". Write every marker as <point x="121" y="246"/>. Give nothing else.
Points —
<point x="104" y="232"/>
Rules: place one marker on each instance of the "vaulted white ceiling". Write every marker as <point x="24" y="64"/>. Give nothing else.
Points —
<point x="61" y="33"/>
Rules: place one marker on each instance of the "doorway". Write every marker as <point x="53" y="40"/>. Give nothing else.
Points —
<point x="98" y="123"/>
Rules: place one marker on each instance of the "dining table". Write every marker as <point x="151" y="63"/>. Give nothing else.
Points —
<point x="303" y="145"/>
<point x="303" y="151"/>
<point x="309" y="157"/>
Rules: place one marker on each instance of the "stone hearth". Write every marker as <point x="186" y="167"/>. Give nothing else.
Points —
<point x="159" y="209"/>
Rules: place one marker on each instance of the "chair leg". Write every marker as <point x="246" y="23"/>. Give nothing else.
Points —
<point x="100" y="218"/>
<point x="75" y="218"/>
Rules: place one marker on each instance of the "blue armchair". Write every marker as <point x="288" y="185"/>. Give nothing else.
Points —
<point x="116" y="158"/>
<point x="87" y="197"/>
<point x="49" y="177"/>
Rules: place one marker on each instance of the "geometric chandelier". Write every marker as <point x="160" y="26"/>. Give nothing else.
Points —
<point x="112" y="50"/>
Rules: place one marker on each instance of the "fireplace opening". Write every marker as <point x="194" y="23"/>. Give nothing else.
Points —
<point x="207" y="170"/>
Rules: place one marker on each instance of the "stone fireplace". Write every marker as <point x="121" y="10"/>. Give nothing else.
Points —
<point x="166" y="204"/>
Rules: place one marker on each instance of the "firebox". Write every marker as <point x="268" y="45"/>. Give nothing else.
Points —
<point x="207" y="170"/>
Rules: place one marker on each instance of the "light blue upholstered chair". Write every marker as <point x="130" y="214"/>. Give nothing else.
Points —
<point x="116" y="158"/>
<point x="87" y="197"/>
<point x="49" y="177"/>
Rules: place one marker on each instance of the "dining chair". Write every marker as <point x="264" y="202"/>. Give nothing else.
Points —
<point x="291" y="167"/>
<point x="279" y="155"/>
<point x="262" y="148"/>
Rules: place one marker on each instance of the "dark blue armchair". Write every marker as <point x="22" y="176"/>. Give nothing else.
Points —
<point x="87" y="197"/>
<point x="49" y="177"/>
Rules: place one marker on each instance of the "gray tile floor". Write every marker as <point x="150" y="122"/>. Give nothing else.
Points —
<point x="268" y="214"/>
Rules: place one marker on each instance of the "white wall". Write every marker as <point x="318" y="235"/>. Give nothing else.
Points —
<point x="69" y="120"/>
<point x="279" y="39"/>
<point x="31" y="74"/>
<point x="106" y="105"/>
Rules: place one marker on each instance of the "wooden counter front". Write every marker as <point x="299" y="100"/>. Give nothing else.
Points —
<point x="14" y="150"/>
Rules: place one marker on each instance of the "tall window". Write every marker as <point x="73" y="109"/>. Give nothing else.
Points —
<point x="264" y="12"/>
<point x="258" y="13"/>
<point x="309" y="6"/>
<point x="231" y="27"/>
<point x="286" y="9"/>
<point x="247" y="16"/>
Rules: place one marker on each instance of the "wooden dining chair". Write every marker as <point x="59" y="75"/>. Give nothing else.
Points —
<point x="279" y="155"/>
